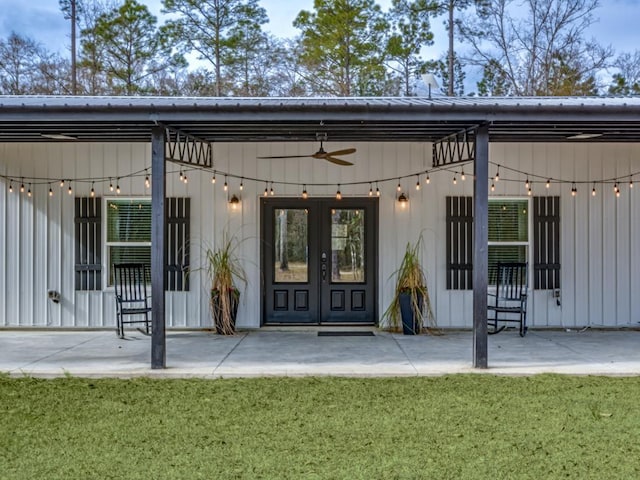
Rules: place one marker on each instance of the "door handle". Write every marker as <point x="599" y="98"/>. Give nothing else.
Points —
<point x="324" y="272"/>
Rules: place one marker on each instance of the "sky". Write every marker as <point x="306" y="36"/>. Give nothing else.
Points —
<point x="42" y="20"/>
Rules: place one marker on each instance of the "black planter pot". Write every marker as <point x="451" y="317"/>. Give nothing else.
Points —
<point x="410" y="320"/>
<point x="216" y="308"/>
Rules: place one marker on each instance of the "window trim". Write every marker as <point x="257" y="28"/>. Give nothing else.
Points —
<point x="105" y="244"/>
<point x="529" y="241"/>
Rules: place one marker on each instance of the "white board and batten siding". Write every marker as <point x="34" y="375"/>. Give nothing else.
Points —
<point x="600" y="236"/>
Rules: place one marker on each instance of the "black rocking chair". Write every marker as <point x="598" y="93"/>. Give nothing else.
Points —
<point x="509" y="303"/>
<point x="131" y="296"/>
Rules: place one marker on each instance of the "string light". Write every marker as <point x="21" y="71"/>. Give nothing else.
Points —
<point x="617" y="190"/>
<point x="398" y="187"/>
<point x="213" y="179"/>
<point x="10" y="187"/>
<point x="50" y="192"/>
<point x="493" y="187"/>
<point x="630" y="182"/>
<point x="418" y="182"/>
<point x="181" y="175"/>
<point x="70" y="191"/>
<point x="110" y="185"/>
<point x="305" y="195"/>
<point x="93" y="192"/>
<point x="497" y="177"/>
<point x="242" y="184"/>
<point x="147" y="183"/>
<point x="29" y="191"/>
<point x="529" y="191"/>
<point x="338" y="194"/>
<point x="455" y="181"/>
<point x="593" y="190"/>
<point x="185" y="179"/>
<point x="371" y="189"/>
<point x="574" y="190"/>
<point x="271" y="192"/>
<point x="377" y="190"/>
<point x="427" y="180"/>
<point x="118" y="186"/>
<point x="61" y="183"/>
<point x="266" y="191"/>
<point x="226" y="185"/>
<point x="526" y="183"/>
<point x="548" y="183"/>
<point x="22" y="187"/>
<point x="462" y="175"/>
<point x="615" y="187"/>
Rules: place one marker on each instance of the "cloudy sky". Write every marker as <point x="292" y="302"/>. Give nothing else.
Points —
<point x="42" y="20"/>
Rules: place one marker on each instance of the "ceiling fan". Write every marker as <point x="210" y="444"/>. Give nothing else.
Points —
<point x="322" y="154"/>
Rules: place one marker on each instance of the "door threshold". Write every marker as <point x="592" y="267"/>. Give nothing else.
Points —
<point x="320" y="328"/>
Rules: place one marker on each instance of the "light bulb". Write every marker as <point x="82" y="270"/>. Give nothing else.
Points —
<point x="427" y="180"/>
<point x="548" y="183"/>
<point x="69" y="191"/>
<point x="147" y="183"/>
<point x="213" y="179"/>
<point x="462" y="175"/>
<point x="50" y="192"/>
<point x="370" y="190"/>
<point x="61" y="183"/>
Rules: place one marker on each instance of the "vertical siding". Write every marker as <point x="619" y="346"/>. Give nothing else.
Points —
<point x="600" y="236"/>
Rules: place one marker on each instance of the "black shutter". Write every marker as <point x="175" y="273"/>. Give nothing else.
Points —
<point x="88" y="243"/>
<point x="546" y="243"/>
<point x="177" y="244"/>
<point x="459" y="243"/>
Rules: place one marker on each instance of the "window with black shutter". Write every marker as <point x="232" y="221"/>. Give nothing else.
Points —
<point x="128" y="239"/>
<point x="509" y="239"/>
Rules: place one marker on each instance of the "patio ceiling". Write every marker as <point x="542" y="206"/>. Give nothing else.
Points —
<point x="130" y="119"/>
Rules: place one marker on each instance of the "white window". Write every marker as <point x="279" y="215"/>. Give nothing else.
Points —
<point x="508" y="232"/>
<point x="128" y="232"/>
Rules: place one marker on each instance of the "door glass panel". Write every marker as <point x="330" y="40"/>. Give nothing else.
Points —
<point x="291" y="243"/>
<point x="347" y="245"/>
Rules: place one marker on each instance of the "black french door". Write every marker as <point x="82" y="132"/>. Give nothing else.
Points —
<point x="319" y="260"/>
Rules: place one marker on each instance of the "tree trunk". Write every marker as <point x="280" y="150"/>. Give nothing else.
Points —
<point x="451" y="28"/>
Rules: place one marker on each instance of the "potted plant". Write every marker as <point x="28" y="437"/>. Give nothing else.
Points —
<point x="223" y="268"/>
<point x="411" y="302"/>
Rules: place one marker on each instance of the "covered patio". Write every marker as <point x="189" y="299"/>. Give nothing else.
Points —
<point x="301" y="352"/>
<point x="185" y="130"/>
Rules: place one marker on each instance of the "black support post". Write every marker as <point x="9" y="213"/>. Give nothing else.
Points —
<point x="480" y="250"/>
<point x="158" y="194"/>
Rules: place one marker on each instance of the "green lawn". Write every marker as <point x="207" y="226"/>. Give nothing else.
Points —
<point x="458" y="427"/>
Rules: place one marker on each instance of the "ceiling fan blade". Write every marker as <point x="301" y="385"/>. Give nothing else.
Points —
<point x="346" y="151"/>
<point x="337" y="161"/>
<point x="287" y="156"/>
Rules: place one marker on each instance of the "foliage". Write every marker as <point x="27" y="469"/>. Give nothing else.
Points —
<point x="342" y="47"/>
<point x="226" y="34"/>
<point x="540" y="427"/>
<point x="224" y="268"/>
<point x="131" y="47"/>
<point x="411" y="278"/>
<point x="541" y="51"/>
<point x="627" y="79"/>
<point x="410" y="32"/>
<point x="452" y="78"/>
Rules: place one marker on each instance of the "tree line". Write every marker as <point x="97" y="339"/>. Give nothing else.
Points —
<point x="344" y="48"/>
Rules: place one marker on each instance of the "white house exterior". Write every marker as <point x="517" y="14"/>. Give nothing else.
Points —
<point x="599" y="235"/>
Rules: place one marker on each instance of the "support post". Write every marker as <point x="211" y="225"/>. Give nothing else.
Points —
<point x="480" y="249"/>
<point x="158" y="262"/>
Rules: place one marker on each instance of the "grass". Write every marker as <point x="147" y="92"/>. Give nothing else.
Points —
<point x="459" y="427"/>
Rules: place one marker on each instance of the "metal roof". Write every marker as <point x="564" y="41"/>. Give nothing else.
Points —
<point x="549" y="119"/>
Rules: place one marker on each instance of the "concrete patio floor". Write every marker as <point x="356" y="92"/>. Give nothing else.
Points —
<point x="303" y="353"/>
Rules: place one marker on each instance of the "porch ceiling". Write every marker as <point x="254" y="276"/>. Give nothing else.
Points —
<point x="130" y="119"/>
